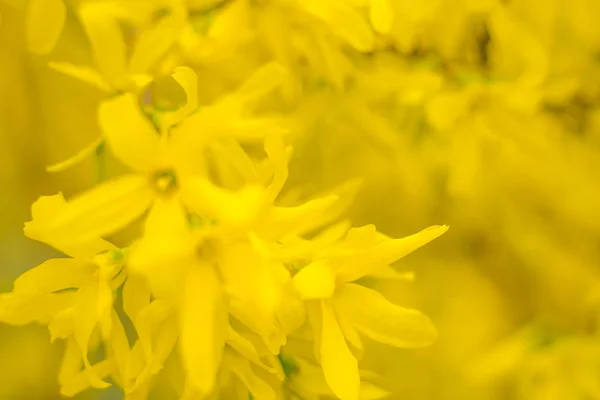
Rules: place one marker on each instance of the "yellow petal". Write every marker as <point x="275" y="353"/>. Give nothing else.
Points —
<point x="71" y="362"/>
<point x="62" y="326"/>
<point x="278" y="158"/>
<point x="244" y="347"/>
<point x="80" y="382"/>
<point x="130" y="136"/>
<point x="187" y="79"/>
<point x="266" y="79"/>
<point x="254" y="294"/>
<point x="107" y="42"/>
<point x="54" y="275"/>
<point x="382" y="16"/>
<point x="136" y="295"/>
<point x="300" y="219"/>
<point x="228" y="207"/>
<point x="243" y="370"/>
<point x="117" y="348"/>
<point x="368" y="391"/>
<point x="374" y="316"/>
<point x="313" y="314"/>
<point x="351" y="335"/>
<point x="43" y="211"/>
<point x="45" y="21"/>
<point x="315" y="281"/>
<point x="85" y="153"/>
<point x="203" y="325"/>
<point x="344" y="21"/>
<point x="20" y="310"/>
<point x="102" y="210"/>
<point x="157" y="334"/>
<point x="388" y="272"/>
<point x="339" y="365"/>
<point x="84" y="74"/>
<point x="86" y="315"/>
<point x="365" y="262"/>
<point x="155" y="41"/>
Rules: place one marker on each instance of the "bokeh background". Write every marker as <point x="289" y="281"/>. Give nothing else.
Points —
<point x="483" y="115"/>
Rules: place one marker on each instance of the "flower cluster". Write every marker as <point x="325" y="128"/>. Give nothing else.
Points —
<point x="233" y="273"/>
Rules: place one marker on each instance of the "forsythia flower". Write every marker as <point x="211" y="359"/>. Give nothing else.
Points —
<point x="231" y="264"/>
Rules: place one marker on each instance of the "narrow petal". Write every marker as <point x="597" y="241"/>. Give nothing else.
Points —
<point x="80" y="382"/>
<point x="107" y="42"/>
<point x="393" y="250"/>
<point x="130" y="136"/>
<point x="62" y="326"/>
<point x="154" y="42"/>
<point x="344" y="21"/>
<point x="187" y="79"/>
<point x="54" y="275"/>
<point x="278" y="158"/>
<point x="372" y="259"/>
<point x="22" y="310"/>
<point x="117" y="348"/>
<point x="243" y="370"/>
<point x="313" y="313"/>
<point x="266" y="79"/>
<point x="86" y="315"/>
<point x="244" y="347"/>
<point x="82" y="155"/>
<point x="100" y="211"/>
<point x="300" y="219"/>
<point x="83" y="73"/>
<point x="136" y="295"/>
<point x="45" y="22"/>
<point x="351" y="335"/>
<point x="71" y="362"/>
<point x="380" y="320"/>
<point x="43" y="211"/>
<point x="388" y="272"/>
<point x="203" y="327"/>
<point x="368" y="391"/>
<point x="315" y="281"/>
<point x="339" y="365"/>
<point x="382" y="16"/>
<point x="225" y="206"/>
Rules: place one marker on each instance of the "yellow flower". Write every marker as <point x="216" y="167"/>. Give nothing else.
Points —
<point x="338" y="308"/>
<point x="72" y="295"/>
<point x="165" y="162"/>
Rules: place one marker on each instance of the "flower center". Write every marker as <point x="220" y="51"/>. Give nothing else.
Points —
<point x="165" y="182"/>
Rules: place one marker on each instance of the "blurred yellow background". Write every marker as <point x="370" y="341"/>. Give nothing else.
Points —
<point x="508" y="156"/>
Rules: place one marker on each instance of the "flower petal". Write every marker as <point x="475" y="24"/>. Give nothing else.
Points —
<point x="374" y="316"/>
<point x="225" y="206"/>
<point x="315" y="281"/>
<point x="98" y="212"/>
<point x="382" y="16"/>
<point x="187" y="79"/>
<point x="243" y="370"/>
<point x="83" y="73"/>
<point x="372" y="259"/>
<point x="339" y="365"/>
<point x="107" y="42"/>
<point x="45" y="22"/>
<point x="43" y="211"/>
<point x="21" y="310"/>
<point x="54" y="275"/>
<point x="155" y="41"/>
<point x="87" y="313"/>
<point x="130" y="136"/>
<point x="136" y="296"/>
<point x="344" y="21"/>
<point x="203" y="325"/>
